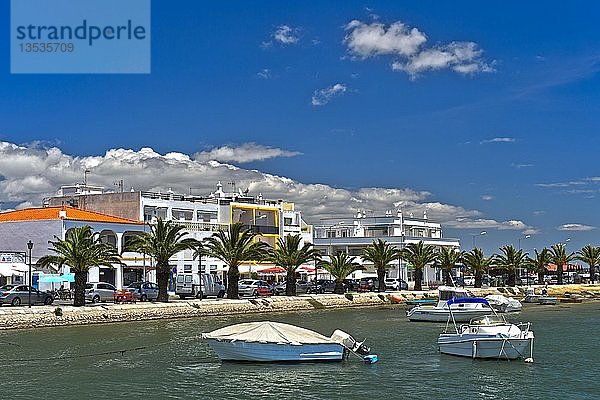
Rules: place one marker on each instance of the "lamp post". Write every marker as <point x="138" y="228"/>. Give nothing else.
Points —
<point x="522" y="237"/>
<point x="474" y="235"/>
<point x="30" y="247"/>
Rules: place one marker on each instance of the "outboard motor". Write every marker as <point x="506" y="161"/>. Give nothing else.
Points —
<point x="350" y="343"/>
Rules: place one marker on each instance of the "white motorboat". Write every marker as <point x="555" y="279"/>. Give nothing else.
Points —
<point x="532" y="297"/>
<point x="490" y="336"/>
<point x="440" y="312"/>
<point x="273" y="341"/>
<point x="504" y="304"/>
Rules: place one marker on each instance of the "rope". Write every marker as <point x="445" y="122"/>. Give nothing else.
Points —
<point x="104" y="353"/>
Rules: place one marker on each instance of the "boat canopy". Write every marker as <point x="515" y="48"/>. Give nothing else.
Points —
<point x="268" y="332"/>
<point x="468" y="300"/>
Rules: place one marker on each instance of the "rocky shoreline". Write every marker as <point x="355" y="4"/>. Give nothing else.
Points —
<point x="53" y="315"/>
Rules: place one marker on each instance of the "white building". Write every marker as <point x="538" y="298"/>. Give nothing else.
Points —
<point x="352" y="235"/>
<point x="200" y="215"/>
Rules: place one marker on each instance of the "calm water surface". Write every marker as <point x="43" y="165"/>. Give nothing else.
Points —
<point x="176" y="364"/>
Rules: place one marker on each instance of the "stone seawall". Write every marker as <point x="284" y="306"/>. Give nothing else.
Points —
<point x="53" y="315"/>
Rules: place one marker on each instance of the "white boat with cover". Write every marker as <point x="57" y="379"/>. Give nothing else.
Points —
<point x="273" y="341"/>
<point x="490" y="336"/>
<point x="440" y="312"/>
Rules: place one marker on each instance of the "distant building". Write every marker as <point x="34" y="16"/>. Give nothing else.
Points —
<point x="353" y="235"/>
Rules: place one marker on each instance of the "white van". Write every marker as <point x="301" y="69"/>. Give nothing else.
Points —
<point x="198" y="286"/>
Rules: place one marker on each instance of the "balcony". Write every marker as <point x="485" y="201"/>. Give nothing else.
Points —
<point x="262" y="229"/>
<point x="201" y="226"/>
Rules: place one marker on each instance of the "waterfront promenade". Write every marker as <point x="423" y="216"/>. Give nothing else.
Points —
<point x="64" y="315"/>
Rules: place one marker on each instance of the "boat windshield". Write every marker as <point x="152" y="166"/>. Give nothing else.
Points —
<point x="488" y="320"/>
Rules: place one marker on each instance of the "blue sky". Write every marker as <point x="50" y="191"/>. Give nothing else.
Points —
<point x="504" y="129"/>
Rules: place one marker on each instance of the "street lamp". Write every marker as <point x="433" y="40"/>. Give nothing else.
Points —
<point x="30" y="247"/>
<point x="474" y="235"/>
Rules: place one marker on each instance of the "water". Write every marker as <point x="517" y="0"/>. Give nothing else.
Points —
<point x="175" y="364"/>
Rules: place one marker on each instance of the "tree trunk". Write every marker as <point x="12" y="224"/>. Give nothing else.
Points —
<point x="290" y="282"/>
<point x="381" y="277"/>
<point x="478" y="279"/>
<point x="541" y="276"/>
<point x="418" y="278"/>
<point x="339" y="287"/>
<point x="592" y="272"/>
<point x="512" y="278"/>
<point x="559" y="274"/>
<point x="233" y="278"/>
<point x="447" y="277"/>
<point x="162" y="279"/>
<point x="80" y="280"/>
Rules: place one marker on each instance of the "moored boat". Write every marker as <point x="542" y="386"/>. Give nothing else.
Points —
<point x="440" y="312"/>
<point x="504" y="304"/>
<point x="490" y="336"/>
<point x="273" y="341"/>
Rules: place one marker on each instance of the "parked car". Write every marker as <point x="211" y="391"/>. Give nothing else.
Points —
<point x="253" y="287"/>
<point x="99" y="291"/>
<point x="368" y="285"/>
<point x="198" y="285"/>
<point x="15" y="295"/>
<point x="322" y="286"/>
<point x="144" y="291"/>
<point x="396" y="284"/>
<point x="301" y="287"/>
<point x="351" y="285"/>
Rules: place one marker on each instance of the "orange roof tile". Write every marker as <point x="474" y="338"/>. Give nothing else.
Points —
<point x="46" y="213"/>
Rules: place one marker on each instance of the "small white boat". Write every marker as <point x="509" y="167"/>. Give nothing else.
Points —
<point x="548" y="300"/>
<point x="440" y="312"/>
<point x="488" y="337"/>
<point x="504" y="304"/>
<point x="532" y="297"/>
<point x="273" y="341"/>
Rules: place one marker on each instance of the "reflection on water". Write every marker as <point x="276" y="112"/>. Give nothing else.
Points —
<point x="174" y="363"/>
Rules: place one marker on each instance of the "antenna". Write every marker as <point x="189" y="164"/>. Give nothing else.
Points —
<point x="232" y="183"/>
<point x="119" y="184"/>
<point x="85" y="174"/>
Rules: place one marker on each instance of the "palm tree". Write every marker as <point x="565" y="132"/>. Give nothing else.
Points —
<point x="476" y="261"/>
<point x="539" y="263"/>
<point x="81" y="250"/>
<point x="511" y="260"/>
<point x="289" y="255"/>
<point x="591" y="256"/>
<point x="164" y="241"/>
<point x="419" y="255"/>
<point x="381" y="254"/>
<point x="448" y="257"/>
<point x="559" y="257"/>
<point x="340" y="266"/>
<point x="233" y="247"/>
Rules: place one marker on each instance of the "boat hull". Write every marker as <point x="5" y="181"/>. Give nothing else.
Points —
<point x="274" y="352"/>
<point x="491" y="347"/>
<point x="434" y="314"/>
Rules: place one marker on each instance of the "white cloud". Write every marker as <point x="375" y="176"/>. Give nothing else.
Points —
<point x="244" y="153"/>
<point x="369" y="40"/>
<point x="575" y="227"/>
<point x="264" y="73"/>
<point x="487" y="197"/>
<point x="285" y="35"/>
<point x="323" y="96"/>
<point x="407" y="47"/>
<point x="30" y="174"/>
<point x="519" y="166"/>
<point x="461" y="57"/>
<point x="498" y="140"/>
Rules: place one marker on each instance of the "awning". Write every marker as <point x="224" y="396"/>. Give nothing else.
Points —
<point x="567" y="267"/>
<point x="272" y="270"/>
